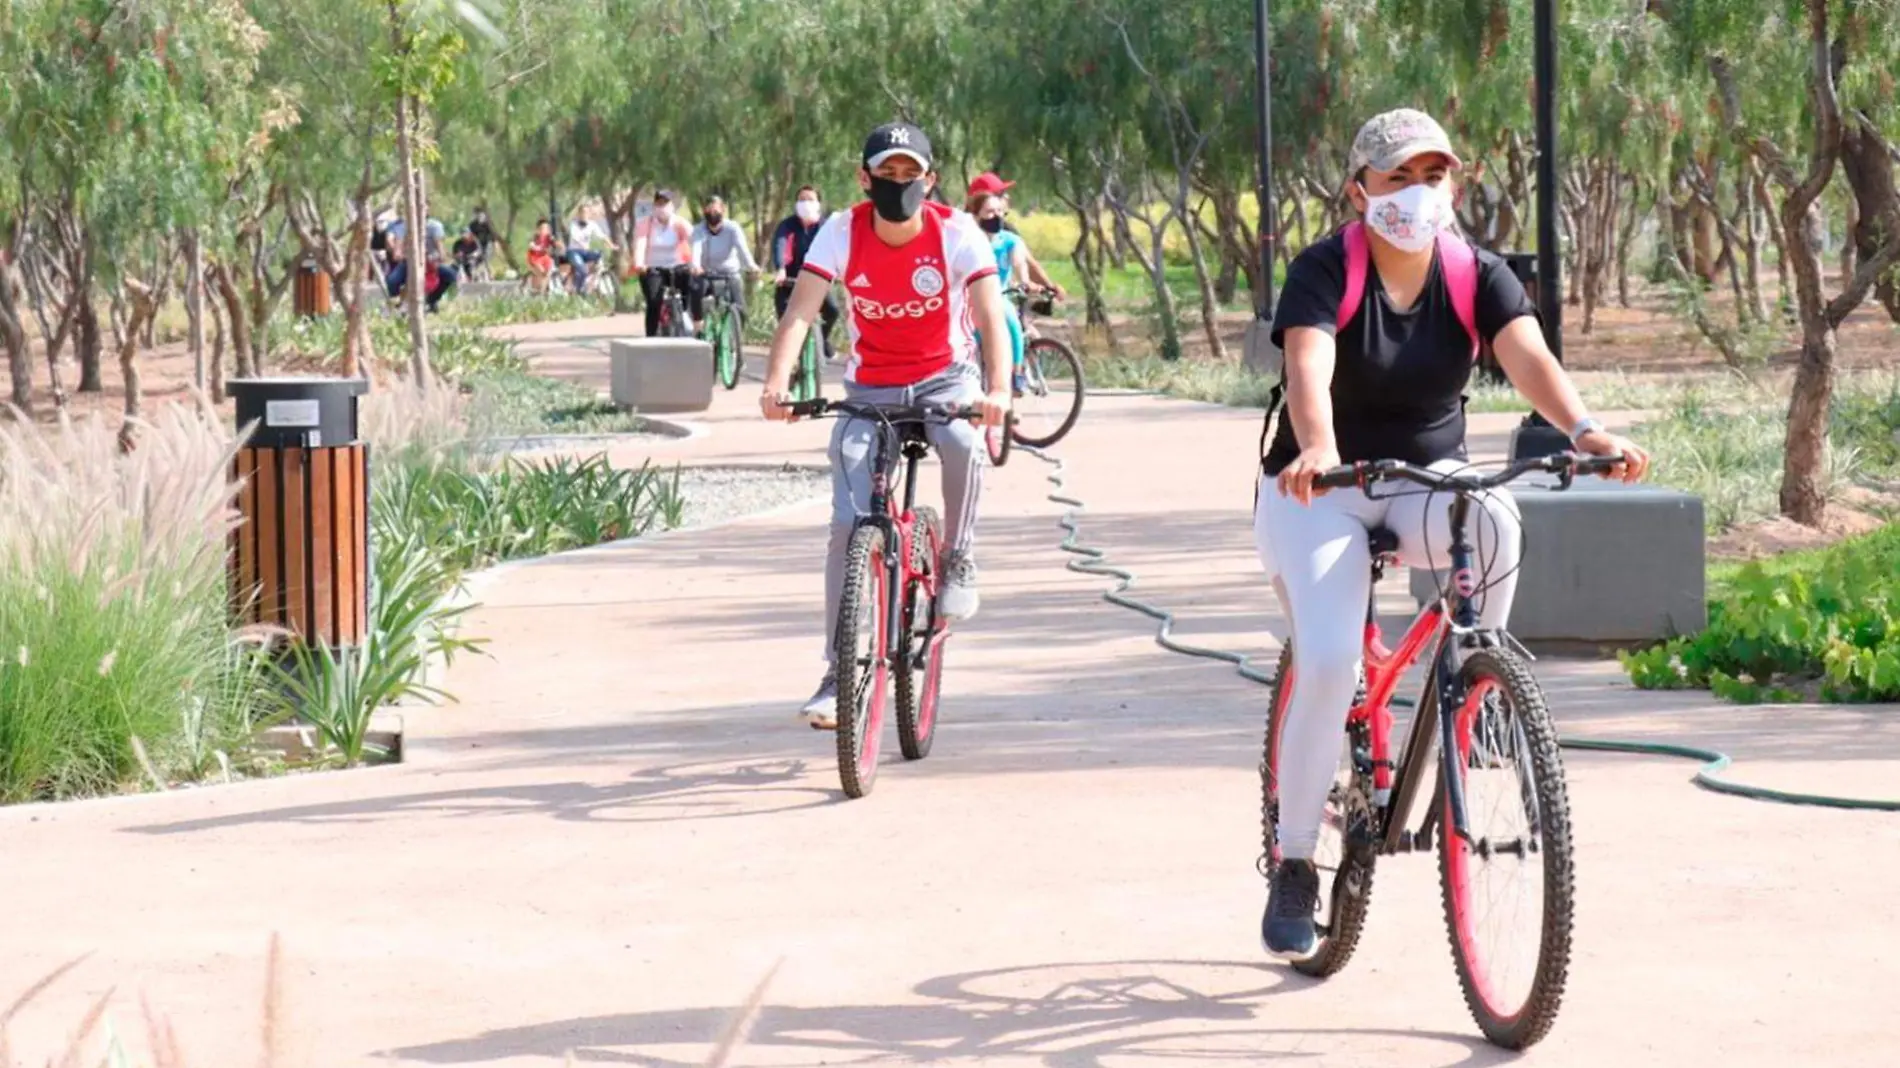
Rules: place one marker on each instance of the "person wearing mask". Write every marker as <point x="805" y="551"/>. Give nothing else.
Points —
<point x="919" y="275"/>
<point x="662" y="252"/>
<point x="989" y="183"/>
<point x="790" y="242"/>
<point x="1387" y="385"/>
<point x="1012" y="255"/>
<point x="468" y="252"/>
<point x="720" y="253"/>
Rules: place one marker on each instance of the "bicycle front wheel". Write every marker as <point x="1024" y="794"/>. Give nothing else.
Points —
<point x="1049" y="395"/>
<point x="1509" y="892"/>
<point x="1344" y="854"/>
<point x="917" y="697"/>
<point x="860" y="656"/>
<point x="728" y="356"/>
<point x="805" y="381"/>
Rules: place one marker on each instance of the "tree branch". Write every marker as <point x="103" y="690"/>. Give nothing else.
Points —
<point x="1864" y="278"/>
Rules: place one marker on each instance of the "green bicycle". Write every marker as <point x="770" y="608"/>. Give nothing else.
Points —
<point x="805" y="379"/>
<point x="725" y="332"/>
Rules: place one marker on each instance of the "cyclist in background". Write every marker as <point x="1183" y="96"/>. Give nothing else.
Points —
<point x="1012" y="257"/>
<point x="581" y="254"/>
<point x="720" y="252"/>
<point x="541" y="249"/>
<point x="918" y="274"/>
<point x="662" y="252"/>
<point x="790" y="242"/>
<point x="988" y="182"/>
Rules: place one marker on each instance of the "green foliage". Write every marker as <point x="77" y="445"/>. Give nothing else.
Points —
<point x="509" y="401"/>
<point x="1828" y="620"/>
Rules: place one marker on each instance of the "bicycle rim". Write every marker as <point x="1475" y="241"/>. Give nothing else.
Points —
<point x="724" y="360"/>
<point x="734" y="332"/>
<point x="1509" y="893"/>
<point x="859" y="655"/>
<point x="917" y="696"/>
<point x="1051" y="397"/>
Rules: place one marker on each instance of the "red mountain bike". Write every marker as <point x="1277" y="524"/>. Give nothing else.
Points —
<point x="888" y="630"/>
<point x="1499" y="810"/>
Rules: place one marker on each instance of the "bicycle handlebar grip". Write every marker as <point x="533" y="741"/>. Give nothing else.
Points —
<point x="1596" y="465"/>
<point x="808" y="408"/>
<point x="1343" y="477"/>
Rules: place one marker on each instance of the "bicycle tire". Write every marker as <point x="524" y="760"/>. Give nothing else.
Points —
<point x="917" y="705"/>
<point x="1349" y="890"/>
<point x="675" y="325"/>
<point x="1050" y="348"/>
<point x="997" y="439"/>
<point x="728" y="349"/>
<point x="861" y="687"/>
<point x="806" y="382"/>
<point x="1528" y="1023"/>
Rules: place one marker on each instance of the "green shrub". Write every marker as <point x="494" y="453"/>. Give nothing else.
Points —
<point x="506" y="401"/>
<point x="1831" y="617"/>
<point x="113" y="607"/>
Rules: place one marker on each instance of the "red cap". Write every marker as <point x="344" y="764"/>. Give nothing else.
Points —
<point x="988" y="182"/>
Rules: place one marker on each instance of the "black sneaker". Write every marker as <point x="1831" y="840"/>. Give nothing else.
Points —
<point x="1286" y="929"/>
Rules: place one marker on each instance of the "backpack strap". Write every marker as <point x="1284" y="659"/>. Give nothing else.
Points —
<point x="1358" y="256"/>
<point x="1460" y="265"/>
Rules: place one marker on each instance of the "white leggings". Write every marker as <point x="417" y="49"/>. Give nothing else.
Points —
<point x="1322" y="562"/>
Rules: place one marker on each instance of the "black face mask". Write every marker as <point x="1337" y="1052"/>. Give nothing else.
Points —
<point x="993" y="224"/>
<point x="897" y="201"/>
<point x="713" y="219"/>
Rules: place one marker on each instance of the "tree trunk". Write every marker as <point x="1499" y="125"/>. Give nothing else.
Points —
<point x="240" y="323"/>
<point x="1210" y="311"/>
<point x="13" y="332"/>
<point x="195" y="308"/>
<point x="412" y="236"/>
<point x="1850" y="239"/>
<point x="1803" y="488"/>
<point x="1165" y="310"/>
<point x="88" y="346"/>
<point x="359" y="352"/>
<point x="144" y="308"/>
<point x="1754" y="305"/>
<point x="216" y="307"/>
<point x="1085" y="257"/>
<point x="1626" y="238"/>
<point x="1869" y="171"/>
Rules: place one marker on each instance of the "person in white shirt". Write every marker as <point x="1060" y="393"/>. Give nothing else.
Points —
<point x="662" y="252"/>
<point x="581" y="232"/>
<point x="720" y="252"/>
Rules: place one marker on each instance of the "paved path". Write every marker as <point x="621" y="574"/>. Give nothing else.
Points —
<point x="621" y="828"/>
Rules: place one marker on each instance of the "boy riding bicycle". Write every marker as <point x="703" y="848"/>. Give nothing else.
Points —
<point x="918" y="276"/>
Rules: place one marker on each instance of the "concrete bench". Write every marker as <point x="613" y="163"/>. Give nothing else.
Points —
<point x="1604" y="564"/>
<point x="662" y="374"/>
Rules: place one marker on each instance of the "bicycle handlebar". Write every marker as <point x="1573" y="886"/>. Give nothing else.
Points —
<point x="1364" y="473"/>
<point x="893" y="413"/>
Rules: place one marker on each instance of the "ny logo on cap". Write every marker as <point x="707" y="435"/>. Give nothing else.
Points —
<point x="900" y="136"/>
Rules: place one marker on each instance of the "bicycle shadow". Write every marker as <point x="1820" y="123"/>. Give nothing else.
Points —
<point x="1064" y="1015"/>
<point x="697" y="791"/>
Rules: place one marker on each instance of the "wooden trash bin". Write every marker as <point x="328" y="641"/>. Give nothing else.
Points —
<point x="300" y="557"/>
<point x="312" y="297"/>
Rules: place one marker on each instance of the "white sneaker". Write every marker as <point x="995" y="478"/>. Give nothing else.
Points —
<point x="957" y="598"/>
<point x="822" y="710"/>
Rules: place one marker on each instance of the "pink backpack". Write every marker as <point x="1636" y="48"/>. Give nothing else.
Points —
<point x="1455" y="258"/>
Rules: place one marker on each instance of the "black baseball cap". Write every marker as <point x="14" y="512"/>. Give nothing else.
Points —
<point x="896" y="139"/>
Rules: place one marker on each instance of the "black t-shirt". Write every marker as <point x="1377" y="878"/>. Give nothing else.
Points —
<point x="1398" y="377"/>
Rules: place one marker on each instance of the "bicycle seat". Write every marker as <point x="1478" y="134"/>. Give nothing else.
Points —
<point x="1383" y="541"/>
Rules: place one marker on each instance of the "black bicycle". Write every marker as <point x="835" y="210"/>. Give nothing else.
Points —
<point x="888" y="628"/>
<point x="1048" y="386"/>
<point x="1496" y="759"/>
<point x="672" y="321"/>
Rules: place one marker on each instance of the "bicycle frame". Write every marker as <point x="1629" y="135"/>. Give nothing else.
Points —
<point x="898" y="525"/>
<point x="1453" y="623"/>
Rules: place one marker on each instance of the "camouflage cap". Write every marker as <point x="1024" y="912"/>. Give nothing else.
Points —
<point x="1387" y="140"/>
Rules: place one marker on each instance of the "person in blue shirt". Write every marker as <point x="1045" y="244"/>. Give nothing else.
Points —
<point x="1012" y="261"/>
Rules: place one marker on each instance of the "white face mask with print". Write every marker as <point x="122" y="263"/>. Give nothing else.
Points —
<point x="1409" y="219"/>
<point x="807" y="210"/>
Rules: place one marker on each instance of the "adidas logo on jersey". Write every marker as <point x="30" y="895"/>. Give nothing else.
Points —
<point x="860" y="282"/>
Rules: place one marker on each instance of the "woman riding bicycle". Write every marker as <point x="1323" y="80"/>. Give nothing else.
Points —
<point x="1387" y="386"/>
<point x="662" y="255"/>
<point x="1012" y="261"/>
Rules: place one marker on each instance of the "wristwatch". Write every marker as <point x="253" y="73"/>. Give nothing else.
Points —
<point x="1584" y="426"/>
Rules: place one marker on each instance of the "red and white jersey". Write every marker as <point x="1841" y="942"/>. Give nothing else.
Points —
<point x="908" y="305"/>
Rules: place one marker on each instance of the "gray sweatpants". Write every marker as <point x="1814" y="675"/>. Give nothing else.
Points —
<point x="959" y="448"/>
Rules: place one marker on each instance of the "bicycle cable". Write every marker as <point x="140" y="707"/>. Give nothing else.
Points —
<point x="1094" y="561"/>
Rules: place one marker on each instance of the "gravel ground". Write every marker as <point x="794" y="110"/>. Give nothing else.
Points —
<point x="715" y="494"/>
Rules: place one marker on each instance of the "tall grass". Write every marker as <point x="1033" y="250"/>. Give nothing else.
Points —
<point x="113" y="625"/>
